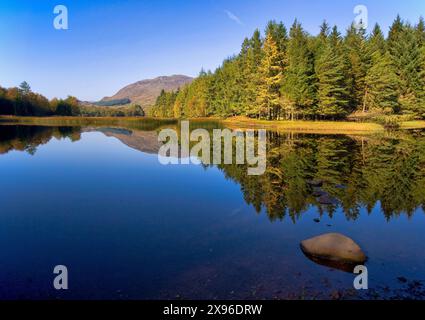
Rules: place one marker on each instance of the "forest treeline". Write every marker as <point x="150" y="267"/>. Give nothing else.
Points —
<point x="293" y="75"/>
<point x="21" y="101"/>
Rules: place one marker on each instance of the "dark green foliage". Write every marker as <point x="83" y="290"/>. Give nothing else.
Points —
<point x="68" y="107"/>
<point x="124" y="111"/>
<point x="376" y="42"/>
<point x="111" y="103"/>
<point x="298" y="89"/>
<point x="299" y="76"/>
<point x="407" y="56"/>
<point x="23" y="102"/>
<point x="164" y="105"/>
<point x="191" y="101"/>
<point x="356" y="52"/>
<point x="332" y="91"/>
<point x="420" y="32"/>
<point x="6" y="104"/>
<point x="25" y="88"/>
<point x="381" y="84"/>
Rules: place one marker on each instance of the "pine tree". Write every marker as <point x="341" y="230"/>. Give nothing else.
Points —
<point x="381" y="84"/>
<point x="332" y="93"/>
<point x="197" y="99"/>
<point x="321" y="41"/>
<point x="394" y="35"/>
<point x="298" y="93"/>
<point x="227" y="88"/>
<point x="268" y="98"/>
<point x="406" y="55"/>
<point x="356" y="51"/>
<point x="322" y="38"/>
<point x="250" y="60"/>
<point x="279" y="35"/>
<point x="250" y="79"/>
<point x="180" y="102"/>
<point x="256" y="45"/>
<point x="420" y="32"/>
<point x="376" y="42"/>
<point x="422" y="79"/>
<point x="335" y="38"/>
<point x="25" y="88"/>
<point x="381" y="81"/>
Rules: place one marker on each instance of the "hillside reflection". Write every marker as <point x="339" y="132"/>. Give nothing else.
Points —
<point x="303" y="170"/>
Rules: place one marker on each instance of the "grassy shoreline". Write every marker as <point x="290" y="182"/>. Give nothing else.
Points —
<point x="331" y="127"/>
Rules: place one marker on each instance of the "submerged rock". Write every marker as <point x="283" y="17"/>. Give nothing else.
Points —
<point x="334" y="247"/>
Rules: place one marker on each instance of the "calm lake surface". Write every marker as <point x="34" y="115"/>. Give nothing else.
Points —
<point x="97" y="200"/>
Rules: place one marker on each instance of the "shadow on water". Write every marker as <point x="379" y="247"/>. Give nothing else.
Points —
<point x="334" y="264"/>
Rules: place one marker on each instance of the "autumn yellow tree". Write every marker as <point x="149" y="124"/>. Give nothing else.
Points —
<point x="270" y="79"/>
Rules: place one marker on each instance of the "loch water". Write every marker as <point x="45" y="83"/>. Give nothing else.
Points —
<point x="97" y="200"/>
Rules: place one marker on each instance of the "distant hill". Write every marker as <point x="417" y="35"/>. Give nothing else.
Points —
<point x="145" y="92"/>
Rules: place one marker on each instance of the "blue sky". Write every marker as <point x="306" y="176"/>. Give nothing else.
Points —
<point x="110" y="44"/>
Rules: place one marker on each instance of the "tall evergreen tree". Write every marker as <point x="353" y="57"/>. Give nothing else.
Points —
<point x="321" y="40"/>
<point x="420" y="31"/>
<point x="356" y="51"/>
<point x="376" y="41"/>
<point x="250" y="60"/>
<point x="394" y="35"/>
<point x="271" y="74"/>
<point x="178" y="106"/>
<point x="381" y="84"/>
<point x="279" y="35"/>
<point x="25" y="88"/>
<point x="332" y="93"/>
<point x="406" y="55"/>
<point x="257" y="45"/>
<point x="335" y="38"/>
<point x="298" y="94"/>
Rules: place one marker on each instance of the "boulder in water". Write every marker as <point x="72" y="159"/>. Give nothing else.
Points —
<point x="334" y="247"/>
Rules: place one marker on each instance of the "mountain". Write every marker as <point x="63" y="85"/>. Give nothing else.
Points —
<point x="145" y="92"/>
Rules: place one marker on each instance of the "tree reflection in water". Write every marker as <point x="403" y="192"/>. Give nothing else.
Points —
<point x="303" y="170"/>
